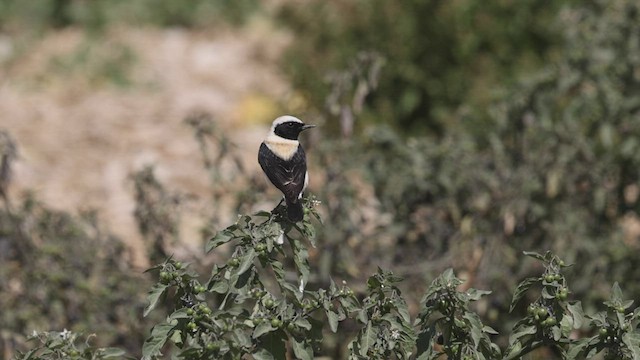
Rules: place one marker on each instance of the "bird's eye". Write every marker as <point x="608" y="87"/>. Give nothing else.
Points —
<point x="290" y="124"/>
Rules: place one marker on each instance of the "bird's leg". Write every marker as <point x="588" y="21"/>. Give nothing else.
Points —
<point x="277" y="208"/>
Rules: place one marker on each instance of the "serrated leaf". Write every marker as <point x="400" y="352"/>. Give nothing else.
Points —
<point x="521" y="289"/>
<point x="154" y="295"/>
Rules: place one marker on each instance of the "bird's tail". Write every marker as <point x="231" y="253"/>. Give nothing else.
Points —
<point x="294" y="210"/>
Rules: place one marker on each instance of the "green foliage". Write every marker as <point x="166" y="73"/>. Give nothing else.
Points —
<point x="446" y="312"/>
<point x="439" y="55"/>
<point x="556" y="169"/>
<point x="98" y="14"/>
<point x="386" y="326"/>
<point x="66" y="345"/>
<point x="62" y="271"/>
<point x="253" y="305"/>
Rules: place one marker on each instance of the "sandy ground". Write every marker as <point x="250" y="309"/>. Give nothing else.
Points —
<point x="80" y="136"/>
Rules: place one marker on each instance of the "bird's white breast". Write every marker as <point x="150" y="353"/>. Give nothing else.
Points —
<point x="283" y="148"/>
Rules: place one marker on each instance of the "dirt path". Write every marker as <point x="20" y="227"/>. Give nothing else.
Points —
<point x="80" y="136"/>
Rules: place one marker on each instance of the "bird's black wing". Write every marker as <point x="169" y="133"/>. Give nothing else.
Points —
<point x="287" y="175"/>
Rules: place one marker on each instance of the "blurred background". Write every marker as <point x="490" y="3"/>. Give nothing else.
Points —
<point x="451" y="134"/>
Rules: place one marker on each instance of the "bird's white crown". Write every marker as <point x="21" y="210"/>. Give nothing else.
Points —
<point x="283" y="119"/>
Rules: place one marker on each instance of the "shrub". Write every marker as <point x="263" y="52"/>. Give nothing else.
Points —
<point x="62" y="271"/>
<point x="440" y="56"/>
<point x="254" y="305"/>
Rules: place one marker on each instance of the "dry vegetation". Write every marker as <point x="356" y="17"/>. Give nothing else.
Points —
<point x="86" y="114"/>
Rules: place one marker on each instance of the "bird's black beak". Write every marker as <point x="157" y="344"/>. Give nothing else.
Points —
<point x="305" y="127"/>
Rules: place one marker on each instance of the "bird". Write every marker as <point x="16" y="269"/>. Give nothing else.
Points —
<point x="284" y="162"/>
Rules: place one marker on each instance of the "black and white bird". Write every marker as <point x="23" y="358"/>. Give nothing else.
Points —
<point x="284" y="162"/>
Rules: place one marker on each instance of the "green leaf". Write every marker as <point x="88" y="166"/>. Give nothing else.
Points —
<point x="475" y="294"/>
<point x="475" y="327"/>
<point x="159" y="335"/>
<point x="262" y="328"/>
<point x="179" y="314"/>
<point x="534" y="255"/>
<point x="176" y="337"/>
<point x="111" y="352"/>
<point x="241" y="338"/>
<point x="632" y="341"/>
<point x="424" y="342"/>
<point x="303" y="323"/>
<point x="302" y="349"/>
<point x="220" y="287"/>
<point x="262" y="213"/>
<point x="246" y="261"/>
<point x="220" y="238"/>
<point x="577" y="314"/>
<point x="576" y="349"/>
<point x="154" y="295"/>
<point x="301" y="259"/>
<point x="557" y="333"/>
<point x="522" y="288"/>
<point x="489" y="330"/>
<point x="368" y="338"/>
<point x="616" y="293"/>
<point x="333" y="320"/>
<point x="521" y="332"/>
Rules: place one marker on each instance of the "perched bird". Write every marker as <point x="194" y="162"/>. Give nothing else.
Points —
<point x="283" y="161"/>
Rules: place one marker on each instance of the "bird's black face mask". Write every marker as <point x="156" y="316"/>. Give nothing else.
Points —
<point x="291" y="129"/>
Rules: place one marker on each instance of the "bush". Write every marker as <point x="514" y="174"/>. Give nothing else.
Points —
<point x="440" y="56"/>
<point x="66" y="345"/>
<point x="62" y="271"/>
<point x="254" y="305"/>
